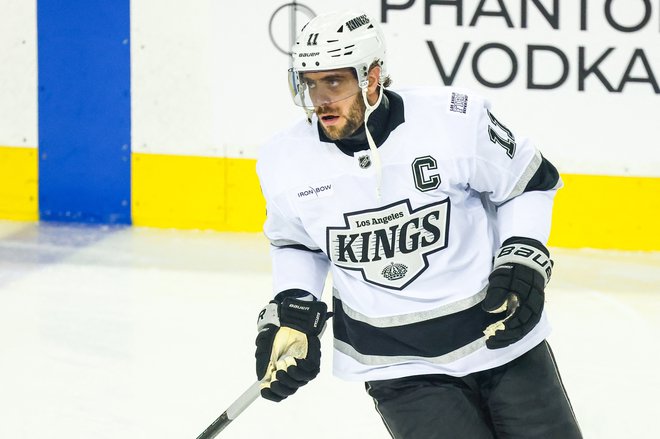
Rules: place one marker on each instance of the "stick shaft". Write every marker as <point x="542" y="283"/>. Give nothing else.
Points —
<point x="235" y="409"/>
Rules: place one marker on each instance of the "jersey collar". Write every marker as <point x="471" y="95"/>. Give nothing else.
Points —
<point x="382" y="122"/>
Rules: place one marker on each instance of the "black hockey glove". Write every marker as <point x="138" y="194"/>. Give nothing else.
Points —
<point x="288" y="347"/>
<point x="521" y="270"/>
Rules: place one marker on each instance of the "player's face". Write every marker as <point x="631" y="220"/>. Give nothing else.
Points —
<point x="342" y="118"/>
<point x="337" y="101"/>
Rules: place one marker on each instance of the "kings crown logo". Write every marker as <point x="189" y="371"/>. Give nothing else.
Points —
<point x="390" y="245"/>
<point x="394" y="271"/>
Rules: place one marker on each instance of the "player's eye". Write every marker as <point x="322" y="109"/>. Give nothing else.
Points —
<point x="333" y="83"/>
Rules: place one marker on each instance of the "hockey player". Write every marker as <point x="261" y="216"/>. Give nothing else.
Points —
<point x="432" y="216"/>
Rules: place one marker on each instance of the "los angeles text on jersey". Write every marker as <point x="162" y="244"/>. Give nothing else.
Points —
<point x="390" y="245"/>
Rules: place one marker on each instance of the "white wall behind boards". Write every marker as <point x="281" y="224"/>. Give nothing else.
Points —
<point x="598" y="120"/>
<point x="18" y="73"/>
<point x="172" y="53"/>
<point x="598" y="59"/>
<point x="207" y="80"/>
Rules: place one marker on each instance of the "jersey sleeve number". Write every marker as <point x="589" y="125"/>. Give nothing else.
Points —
<point x="508" y="143"/>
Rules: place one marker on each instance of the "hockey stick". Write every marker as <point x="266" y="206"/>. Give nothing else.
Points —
<point x="235" y="409"/>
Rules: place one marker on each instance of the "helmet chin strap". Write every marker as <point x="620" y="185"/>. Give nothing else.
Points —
<point x="375" y="155"/>
<point x="309" y="112"/>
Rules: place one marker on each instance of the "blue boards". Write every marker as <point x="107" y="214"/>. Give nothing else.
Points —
<point x="84" y="110"/>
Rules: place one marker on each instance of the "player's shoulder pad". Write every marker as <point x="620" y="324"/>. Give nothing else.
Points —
<point x="289" y="137"/>
<point x="457" y="102"/>
<point x="278" y="149"/>
<point x="281" y="158"/>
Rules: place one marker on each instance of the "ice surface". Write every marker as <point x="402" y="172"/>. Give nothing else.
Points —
<point x="134" y="333"/>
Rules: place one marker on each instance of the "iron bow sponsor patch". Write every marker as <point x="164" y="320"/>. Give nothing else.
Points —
<point x="314" y="191"/>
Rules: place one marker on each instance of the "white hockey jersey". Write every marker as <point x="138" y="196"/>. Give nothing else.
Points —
<point x="409" y="262"/>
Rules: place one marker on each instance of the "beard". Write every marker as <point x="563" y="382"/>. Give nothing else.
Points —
<point x="354" y="120"/>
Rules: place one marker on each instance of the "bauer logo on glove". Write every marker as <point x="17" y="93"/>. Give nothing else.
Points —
<point x="288" y="347"/>
<point x="521" y="270"/>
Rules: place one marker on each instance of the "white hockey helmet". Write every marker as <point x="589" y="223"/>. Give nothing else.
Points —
<point x="349" y="39"/>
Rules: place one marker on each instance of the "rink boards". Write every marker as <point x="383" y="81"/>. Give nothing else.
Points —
<point x="150" y="113"/>
<point x="223" y="194"/>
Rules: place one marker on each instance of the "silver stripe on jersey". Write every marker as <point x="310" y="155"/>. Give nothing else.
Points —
<point x="381" y="360"/>
<point x="406" y="319"/>
<point x="286" y="243"/>
<point x="526" y="176"/>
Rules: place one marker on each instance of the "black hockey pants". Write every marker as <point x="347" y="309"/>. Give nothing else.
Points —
<point x="524" y="399"/>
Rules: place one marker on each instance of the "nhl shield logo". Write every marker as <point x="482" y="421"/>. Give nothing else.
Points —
<point x="390" y="245"/>
<point x="365" y="161"/>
